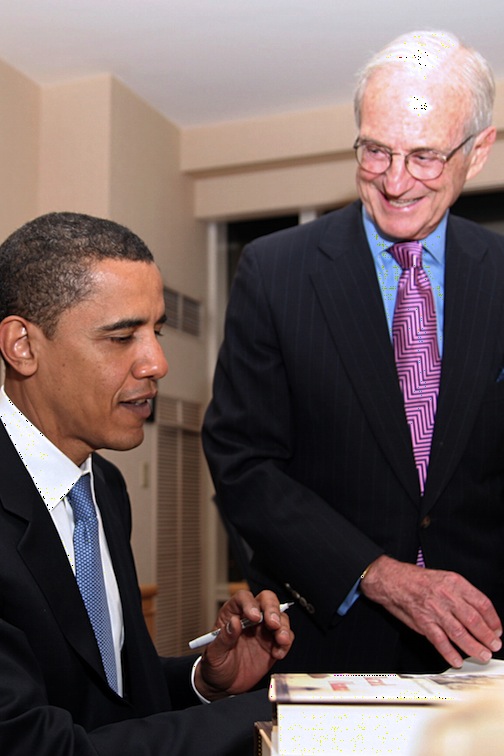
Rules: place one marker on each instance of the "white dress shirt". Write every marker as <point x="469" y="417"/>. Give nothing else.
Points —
<point x="54" y="474"/>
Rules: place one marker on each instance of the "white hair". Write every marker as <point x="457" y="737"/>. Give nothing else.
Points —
<point x="420" y="52"/>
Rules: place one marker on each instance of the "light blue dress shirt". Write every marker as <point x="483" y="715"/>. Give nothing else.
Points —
<point x="388" y="273"/>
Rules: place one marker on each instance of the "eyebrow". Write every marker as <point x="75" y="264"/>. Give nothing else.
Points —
<point x="126" y="323"/>
<point x="389" y="149"/>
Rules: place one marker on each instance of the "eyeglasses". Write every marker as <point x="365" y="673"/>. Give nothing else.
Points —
<point x="421" y="164"/>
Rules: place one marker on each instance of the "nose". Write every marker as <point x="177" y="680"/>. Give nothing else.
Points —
<point x="152" y="362"/>
<point x="397" y="178"/>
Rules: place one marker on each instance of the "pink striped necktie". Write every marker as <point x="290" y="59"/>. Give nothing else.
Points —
<point x="416" y="352"/>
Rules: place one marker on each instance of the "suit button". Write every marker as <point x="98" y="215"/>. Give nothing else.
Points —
<point x="425" y="522"/>
<point x="292" y="592"/>
<point x="300" y="599"/>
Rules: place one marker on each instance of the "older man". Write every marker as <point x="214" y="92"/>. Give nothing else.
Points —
<point x="81" y="312"/>
<point x="356" y="432"/>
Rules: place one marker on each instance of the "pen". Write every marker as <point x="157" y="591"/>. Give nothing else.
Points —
<point x="204" y="640"/>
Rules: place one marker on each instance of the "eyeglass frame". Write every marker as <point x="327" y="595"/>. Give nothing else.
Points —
<point x="439" y="155"/>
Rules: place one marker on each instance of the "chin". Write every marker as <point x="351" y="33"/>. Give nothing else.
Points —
<point x="125" y="443"/>
<point x="402" y="231"/>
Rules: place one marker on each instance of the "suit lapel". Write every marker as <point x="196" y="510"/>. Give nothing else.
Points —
<point x="41" y="549"/>
<point x="348" y="290"/>
<point x="141" y="670"/>
<point x="117" y="542"/>
<point x="473" y="306"/>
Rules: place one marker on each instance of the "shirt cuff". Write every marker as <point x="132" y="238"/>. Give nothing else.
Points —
<point x="193" y="682"/>
<point x="350" y="600"/>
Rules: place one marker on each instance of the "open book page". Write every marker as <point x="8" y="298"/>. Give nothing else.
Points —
<point x="472" y="666"/>
<point x="473" y="676"/>
<point x="355" y="688"/>
<point x="384" y="688"/>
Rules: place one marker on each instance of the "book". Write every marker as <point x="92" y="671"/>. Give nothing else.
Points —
<point x="358" y="688"/>
<point x="367" y="713"/>
<point x="263" y="735"/>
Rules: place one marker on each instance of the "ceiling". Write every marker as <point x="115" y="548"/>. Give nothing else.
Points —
<point x="206" y="61"/>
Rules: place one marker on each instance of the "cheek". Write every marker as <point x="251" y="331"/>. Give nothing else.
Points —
<point x="112" y="391"/>
<point x="450" y="184"/>
<point x="363" y="187"/>
<point x="442" y="198"/>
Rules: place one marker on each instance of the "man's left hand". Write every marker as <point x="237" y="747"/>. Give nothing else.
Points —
<point x="238" y="658"/>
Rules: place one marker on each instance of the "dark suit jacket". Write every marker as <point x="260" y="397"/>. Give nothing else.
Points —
<point x="54" y="698"/>
<point x="308" y="445"/>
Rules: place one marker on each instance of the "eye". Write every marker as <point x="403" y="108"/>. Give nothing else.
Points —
<point x="375" y="151"/>
<point x="124" y="339"/>
<point x="424" y="158"/>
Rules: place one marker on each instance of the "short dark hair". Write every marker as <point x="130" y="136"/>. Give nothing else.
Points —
<point x="45" y="264"/>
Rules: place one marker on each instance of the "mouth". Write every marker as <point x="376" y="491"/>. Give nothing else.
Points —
<point x="402" y="203"/>
<point x="141" y="407"/>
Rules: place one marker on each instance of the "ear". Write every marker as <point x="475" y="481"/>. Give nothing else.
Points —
<point x="480" y="151"/>
<point x="16" y="345"/>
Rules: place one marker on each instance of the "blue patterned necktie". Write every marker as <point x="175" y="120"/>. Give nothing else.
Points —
<point x="89" y="572"/>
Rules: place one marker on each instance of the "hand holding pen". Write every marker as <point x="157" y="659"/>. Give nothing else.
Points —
<point x="204" y="640"/>
<point x="234" y="660"/>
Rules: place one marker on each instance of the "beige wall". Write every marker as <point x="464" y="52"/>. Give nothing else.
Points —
<point x="74" y="160"/>
<point x="287" y="163"/>
<point x="19" y="140"/>
<point x="91" y="145"/>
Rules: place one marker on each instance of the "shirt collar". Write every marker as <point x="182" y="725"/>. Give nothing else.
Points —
<point x="52" y="472"/>
<point x="434" y="243"/>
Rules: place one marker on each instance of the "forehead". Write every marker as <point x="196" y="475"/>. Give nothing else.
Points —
<point x="112" y="272"/>
<point x="120" y="289"/>
<point x="408" y="111"/>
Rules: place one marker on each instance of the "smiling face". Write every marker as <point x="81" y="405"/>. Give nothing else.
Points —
<point x="404" y="113"/>
<point x="95" y="377"/>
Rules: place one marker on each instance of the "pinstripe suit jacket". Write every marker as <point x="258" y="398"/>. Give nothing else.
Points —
<point x="308" y="445"/>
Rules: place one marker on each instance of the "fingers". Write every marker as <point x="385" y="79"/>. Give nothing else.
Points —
<point x="473" y="628"/>
<point x="244" y="612"/>
<point x="485" y="608"/>
<point x="276" y="621"/>
<point x="242" y="605"/>
<point x="455" y="636"/>
<point x="463" y="617"/>
<point x="442" y="644"/>
<point x="264" y="607"/>
<point x="452" y="614"/>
